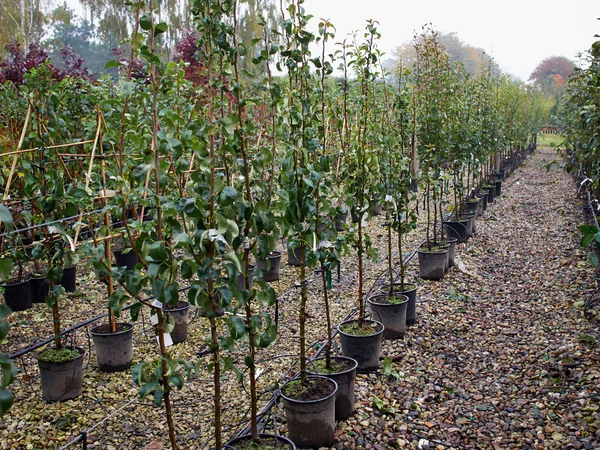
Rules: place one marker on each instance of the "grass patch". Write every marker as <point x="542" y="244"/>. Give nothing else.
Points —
<point x="550" y="140"/>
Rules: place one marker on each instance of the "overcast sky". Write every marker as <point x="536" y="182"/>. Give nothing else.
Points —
<point x="518" y="34"/>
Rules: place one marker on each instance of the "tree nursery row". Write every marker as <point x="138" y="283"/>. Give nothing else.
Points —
<point x="176" y="185"/>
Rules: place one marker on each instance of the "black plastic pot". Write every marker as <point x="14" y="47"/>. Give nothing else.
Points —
<point x="470" y="218"/>
<point x="68" y="280"/>
<point x="279" y="442"/>
<point x="40" y="288"/>
<point x="181" y="316"/>
<point x="456" y="229"/>
<point x="432" y="265"/>
<point x="62" y="381"/>
<point x="294" y="256"/>
<point x="129" y="259"/>
<point x="363" y="349"/>
<point x="376" y="208"/>
<point x="311" y="423"/>
<point x="451" y="250"/>
<point x="270" y="269"/>
<point x="18" y="295"/>
<point x="410" y="290"/>
<point x="498" y="188"/>
<point x="114" y="351"/>
<point x="344" y="399"/>
<point x="472" y="205"/>
<point x="241" y="280"/>
<point x="484" y="196"/>
<point x="391" y="315"/>
<point x="491" y="192"/>
<point x="340" y="221"/>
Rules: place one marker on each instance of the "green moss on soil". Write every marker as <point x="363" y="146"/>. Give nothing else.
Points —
<point x="58" y="356"/>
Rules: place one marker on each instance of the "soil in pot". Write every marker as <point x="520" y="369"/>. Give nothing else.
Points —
<point x="17" y="295"/>
<point x="181" y="316"/>
<point x="114" y="351"/>
<point x="310" y="411"/>
<point x="362" y="343"/>
<point x="391" y="312"/>
<point x="270" y="267"/>
<point x="343" y="372"/>
<point x="267" y="442"/>
<point x="68" y="280"/>
<point x="432" y="262"/>
<point x="61" y="373"/>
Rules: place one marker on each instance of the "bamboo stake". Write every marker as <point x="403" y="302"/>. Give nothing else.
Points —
<point x="15" y="157"/>
<point x="89" y="173"/>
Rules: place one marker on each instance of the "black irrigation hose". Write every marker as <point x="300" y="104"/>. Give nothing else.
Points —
<point x="45" y="224"/>
<point x="76" y="327"/>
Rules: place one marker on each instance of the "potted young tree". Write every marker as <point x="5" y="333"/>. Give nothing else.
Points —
<point x="361" y="338"/>
<point x="309" y="401"/>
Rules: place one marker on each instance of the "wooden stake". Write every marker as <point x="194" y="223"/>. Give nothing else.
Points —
<point x="16" y="156"/>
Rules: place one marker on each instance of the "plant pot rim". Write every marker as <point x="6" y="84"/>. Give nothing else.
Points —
<point x="273" y="254"/>
<point x="170" y="308"/>
<point x="375" y="323"/>
<point x="372" y="302"/>
<point x="243" y="437"/>
<point x="425" y="252"/>
<point x="13" y="282"/>
<point x="402" y="287"/>
<point x="320" y="377"/>
<point x="344" y="358"/>
<point x="127" y="330"/>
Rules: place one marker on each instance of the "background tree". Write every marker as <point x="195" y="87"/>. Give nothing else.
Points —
<point x="545" y="74"/>
<point x="22" y="21"/>
<point x="472" y="58"/>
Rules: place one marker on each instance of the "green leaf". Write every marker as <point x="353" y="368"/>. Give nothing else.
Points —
<point x="268" y="337"/>
<point x="158" y="396"/>
<point x="6" y="400"/>
<point x="237" y="327"/>
<point x="135" y="311"/>
<point x="5" y="216"/>
<point x="148" y="388"/>
<point x="232" y="258"/>
<point x="176" y="380"/>
<point x="592" y="258"/>
<point x="5" y="311"/>
<point x="249" y="361"/>
<point x="145" y="22"/>
<point x="160" y="28"/>
<point x="110" y="64"/>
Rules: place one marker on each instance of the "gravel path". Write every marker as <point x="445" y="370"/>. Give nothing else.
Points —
<point x="501" y="356"/>
<point x="497" y="359"/>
